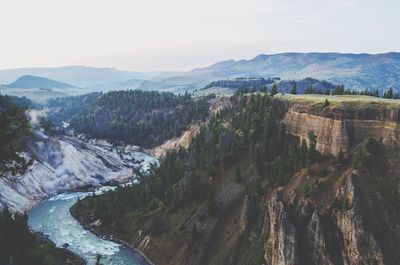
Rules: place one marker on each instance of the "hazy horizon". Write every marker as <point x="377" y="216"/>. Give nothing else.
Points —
<point x="181" y="35"/>
<point x="190" y="68"/>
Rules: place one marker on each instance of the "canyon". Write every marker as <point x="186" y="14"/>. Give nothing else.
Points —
<point x="347" y="215"/>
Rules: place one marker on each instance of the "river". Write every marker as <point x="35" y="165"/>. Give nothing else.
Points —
<point x="52" y="218"/>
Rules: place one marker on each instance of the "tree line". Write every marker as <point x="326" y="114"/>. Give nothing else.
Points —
<point x="338" y="90"/>
<point x="145" y="118"/>
<point x="14" y="133"/>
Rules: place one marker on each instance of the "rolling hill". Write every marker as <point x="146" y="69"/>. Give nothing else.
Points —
<point x="81" y="76"/>
<point x="356" y="71"/>
<point x="30" y="81"/>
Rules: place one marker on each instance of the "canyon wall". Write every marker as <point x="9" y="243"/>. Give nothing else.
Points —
<point x="340" y="127"/>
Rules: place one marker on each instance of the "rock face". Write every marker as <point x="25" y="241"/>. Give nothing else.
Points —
<point x="317" y="241"/>
<point x="341" y="127"/>
<point x="216" y="105"/>
<point x="281" y="245"/>
<point x="331" y="134"/>
<point x="62" y="163"/>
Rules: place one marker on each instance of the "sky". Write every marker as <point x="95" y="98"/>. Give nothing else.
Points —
<point x="178" y="35"/>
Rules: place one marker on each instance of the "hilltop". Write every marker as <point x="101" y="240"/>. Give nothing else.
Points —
<point x="30" y="81"/>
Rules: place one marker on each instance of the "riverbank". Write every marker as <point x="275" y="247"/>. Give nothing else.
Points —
<point x="53" y="218"/>
<point x="56" y="255"/>
<point x="102" y="232"/>
<point x="106" y="236"/>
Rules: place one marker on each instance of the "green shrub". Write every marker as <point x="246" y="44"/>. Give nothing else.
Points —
<point x="323" y="171"/>
<point x="194" y="234"/>
<point x="238" y="175"/>
<point x="307" y="189"/>
<point x="212" y="206"/>
<point x="373" y="146"/>
<point x="359" y="159"/>
<point x="340" y="156"/>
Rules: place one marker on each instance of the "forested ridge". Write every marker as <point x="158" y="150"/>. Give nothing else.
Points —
<point x="14" y="133"/>
<point x="243" y="83"/>
<point x="144" y="118"/>
<point x="247" y="138"/>
<point x="243" y="186"/>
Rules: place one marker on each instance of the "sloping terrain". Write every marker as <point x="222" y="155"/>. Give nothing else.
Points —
<point x="61" y="163"/>
<point x="261" y="196"/>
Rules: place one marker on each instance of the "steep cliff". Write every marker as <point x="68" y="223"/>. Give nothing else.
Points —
<point x="340" y="124"/>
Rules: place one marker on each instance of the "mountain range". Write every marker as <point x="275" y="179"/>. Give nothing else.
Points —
<point x="355" y="71"/>
<point x="80" y="76"/>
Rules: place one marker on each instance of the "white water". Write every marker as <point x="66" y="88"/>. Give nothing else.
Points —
<point x="53" y="219"/>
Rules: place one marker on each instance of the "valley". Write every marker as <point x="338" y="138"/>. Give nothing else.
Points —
<point x="61" y="166"/>
<point x="246" y="180"/>
<point x="290" y="198"/>
<point x="245" y="132"/>
<point x="244" y="171"/>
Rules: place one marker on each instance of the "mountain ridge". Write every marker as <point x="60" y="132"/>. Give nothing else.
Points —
<point x="77" y="75"/>
<point x="355" y="71"/>
<point x="31" y="81"/>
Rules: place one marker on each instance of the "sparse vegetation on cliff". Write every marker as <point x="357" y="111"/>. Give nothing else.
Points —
<point x="341" y="100"/>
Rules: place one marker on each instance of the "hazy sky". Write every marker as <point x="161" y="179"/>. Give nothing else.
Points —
<point x="183" y="34"/>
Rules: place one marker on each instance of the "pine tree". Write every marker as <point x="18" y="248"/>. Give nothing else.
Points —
<point x="263" y="89"/>
<point x="212" y="206"/>
<point x="326" y="104"/>
<point x="309" y="90"/>
<point x="294" y="88"/>
<point x="388" y="93"/>
<point x="303" y="152"/>
<point x="340" y="156"/>
<point x="238" y="175"/>
<point x="194" y="232"/>
<point x="339" y="90"/>
<point x="312" y="146"/>
<point x="274" y="90"/>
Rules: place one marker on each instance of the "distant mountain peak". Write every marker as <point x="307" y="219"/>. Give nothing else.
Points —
<point x="31" y="81"/>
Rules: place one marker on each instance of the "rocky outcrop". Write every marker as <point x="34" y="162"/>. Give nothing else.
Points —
<point x="331" y="134"/>
<point x="63" y="163"/>
<point x="341" y="127"/>
<point x="352" y="233"/>
<point x="359" y="244"/>
<point x="281" y="246"/>
<point x="317" y="241"/>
